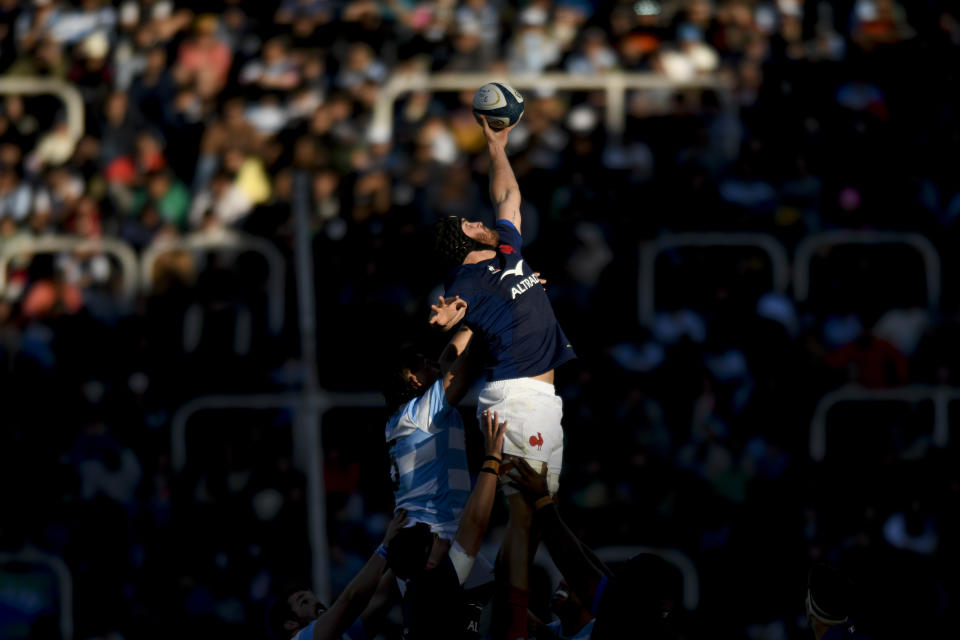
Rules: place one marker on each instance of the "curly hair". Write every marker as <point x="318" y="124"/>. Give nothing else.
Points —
<point x="396" y="390"/>
<point x="451" y="242"/>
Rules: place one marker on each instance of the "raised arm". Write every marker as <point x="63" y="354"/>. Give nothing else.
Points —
<point x="347" y="608"/>
<point x="504" y="190"/>
<point x="476" y="513"/>
<point x="386" y="596"/>
<point x="455" y="365"/>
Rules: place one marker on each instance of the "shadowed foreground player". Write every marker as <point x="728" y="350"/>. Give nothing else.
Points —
<point x="829" y="604"/>
<point x="501" y="299"/>
<point x="296" y="613"/>
<point x="574" y="621"/>
<point x="635" y="602"/>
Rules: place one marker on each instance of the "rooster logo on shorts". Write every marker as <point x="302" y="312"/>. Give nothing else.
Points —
<point x="537" y="441"/>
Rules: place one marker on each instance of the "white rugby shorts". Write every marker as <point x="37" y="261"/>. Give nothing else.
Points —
<point x="533" y="412"/>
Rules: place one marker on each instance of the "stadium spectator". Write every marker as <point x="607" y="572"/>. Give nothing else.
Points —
<point x="223" y="204"/>
<point x="167" y="194"/>
<point x="152" y="90"/>
<point x="204" y="60"/>
<point x="274" y="71"/>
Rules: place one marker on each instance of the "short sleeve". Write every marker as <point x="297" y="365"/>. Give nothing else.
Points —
<point x="425" y="409"/>
<point x="463" y="285"/>
<point x="509" y="237"/>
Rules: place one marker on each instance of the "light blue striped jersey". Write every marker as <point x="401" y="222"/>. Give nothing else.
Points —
<point x="355" y="632"/>
<point x="428" y="461"/>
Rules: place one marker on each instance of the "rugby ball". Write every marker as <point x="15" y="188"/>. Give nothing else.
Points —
<point x="499" y="103"/>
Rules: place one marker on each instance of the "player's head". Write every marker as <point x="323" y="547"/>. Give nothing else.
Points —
<point x="456" y="237"/>
<point x="407" y="376"/>
<point x="828" y="596"/>
<point x="639" y="601"/>
<point x="410" y="549"/>
<point x="291" y="610"/>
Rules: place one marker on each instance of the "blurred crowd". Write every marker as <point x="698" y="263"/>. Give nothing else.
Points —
<point x="222" y="117"/>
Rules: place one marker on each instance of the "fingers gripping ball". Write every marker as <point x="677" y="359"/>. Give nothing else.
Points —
<point x="499" y="103"/>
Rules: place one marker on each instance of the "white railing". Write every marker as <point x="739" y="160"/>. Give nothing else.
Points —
<point x="60" y="244"/>
<point x="227" y="241"/>
<point x="307" y="443"/>
<point x="68" y="94"/>
<point x="646" y="294"/>
<point x="940" y="396"/>
<point x="677" y="559"/>
<point x="59" y="569"/>
<point x="614" y="84"/>
<point x="820" y="241"/>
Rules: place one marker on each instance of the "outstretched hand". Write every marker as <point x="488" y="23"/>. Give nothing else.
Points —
<point x="447" y="312"/>
<point x="531" y="484"/>
<point x="493" y="432"/>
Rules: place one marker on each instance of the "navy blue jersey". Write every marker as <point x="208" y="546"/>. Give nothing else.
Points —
<point x="507" y="305"/>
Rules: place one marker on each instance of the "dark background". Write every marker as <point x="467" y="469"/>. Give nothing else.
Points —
<point x="688" y="433"/>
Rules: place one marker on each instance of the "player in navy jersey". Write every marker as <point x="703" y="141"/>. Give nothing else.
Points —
<point x="499" y="296"/>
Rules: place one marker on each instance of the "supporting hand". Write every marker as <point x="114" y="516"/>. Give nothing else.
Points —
<point x="398" y="522"/>
<point x="531" y="484"/>
<point x="493" y="432"/>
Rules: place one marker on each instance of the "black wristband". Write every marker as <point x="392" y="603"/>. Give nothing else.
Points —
<point x="489" y="470"/>
<point x="494" y="458"/>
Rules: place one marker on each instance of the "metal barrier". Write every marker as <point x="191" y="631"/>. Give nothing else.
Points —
<point x="306" y="439"/>
<point x="677" y="559"/>
<point x="227" y="241"/>
<point x="941" y="396"/>
<point x="64" y="582"/>
<point x="68" y="94"/>
<point x="614" y="84"/>
<point x="816" y="242"/>
<point x="646" y="295"/>
<point x="57" y="244"/>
